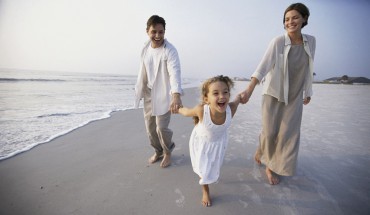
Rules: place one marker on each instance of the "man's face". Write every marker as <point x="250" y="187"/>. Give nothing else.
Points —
<point x="156" y="35"/>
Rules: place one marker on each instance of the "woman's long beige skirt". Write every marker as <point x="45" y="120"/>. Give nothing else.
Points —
<point x="281" y="124"/>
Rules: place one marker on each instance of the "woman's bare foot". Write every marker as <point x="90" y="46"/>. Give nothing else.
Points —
<point x="272" y="177"/>
<point x="206" y="199"/>
<point x="154" y="158"/>
<point x="257" y="158"/>
<point x="166" y="160"/>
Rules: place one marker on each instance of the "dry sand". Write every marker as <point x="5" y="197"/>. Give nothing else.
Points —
<point x="102" y="167"/>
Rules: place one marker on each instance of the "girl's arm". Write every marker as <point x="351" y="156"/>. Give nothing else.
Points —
<point x="234" y="104"/>
<point x="195" y="111"/>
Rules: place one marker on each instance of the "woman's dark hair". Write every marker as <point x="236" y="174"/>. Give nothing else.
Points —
<point x="154" y="20"/>
<point x="302" y="9"/>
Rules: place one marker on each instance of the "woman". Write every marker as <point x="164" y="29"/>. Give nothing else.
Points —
<point x="287" y="73"/>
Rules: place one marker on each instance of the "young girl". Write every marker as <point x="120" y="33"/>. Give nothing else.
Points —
<point x="209" y="138"/>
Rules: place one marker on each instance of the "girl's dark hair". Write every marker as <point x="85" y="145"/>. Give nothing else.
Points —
<point x="302" y="9"/>
<point x="205" y="89"/>
<point x="154" y="20"/>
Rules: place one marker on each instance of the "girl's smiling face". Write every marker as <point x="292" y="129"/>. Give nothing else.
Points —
<point x="218" y="96"/>
<point x="156" y="35"/>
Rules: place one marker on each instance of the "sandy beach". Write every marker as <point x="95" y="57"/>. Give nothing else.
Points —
<point x="102" y="168"/>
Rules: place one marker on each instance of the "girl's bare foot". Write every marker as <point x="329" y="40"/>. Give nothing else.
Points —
<point x="206" y="199"/>
<point x="154" y="158"/>
<point x="166" y="160"/>
<point x="272" y="177"/>
<point x="257" y="158"/>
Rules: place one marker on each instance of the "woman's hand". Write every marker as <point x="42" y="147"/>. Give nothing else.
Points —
<point x="246" y="94"/>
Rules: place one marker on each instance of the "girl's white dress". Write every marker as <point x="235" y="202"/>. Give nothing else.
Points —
<point x="208" y="143"/>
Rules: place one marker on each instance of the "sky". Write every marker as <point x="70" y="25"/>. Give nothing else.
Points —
<point x="212" y="37"/>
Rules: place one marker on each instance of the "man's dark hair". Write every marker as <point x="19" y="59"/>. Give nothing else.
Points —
<point x="154" y="20"/>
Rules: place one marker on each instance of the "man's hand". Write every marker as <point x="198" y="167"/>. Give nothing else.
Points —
<point x="175" y="103"/>
<point x="306" y="100"/>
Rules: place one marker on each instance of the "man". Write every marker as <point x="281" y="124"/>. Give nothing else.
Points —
<point x="159" y="84"/>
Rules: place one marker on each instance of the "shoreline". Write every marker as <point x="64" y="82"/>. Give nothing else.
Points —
<point x="101" y="168"/>
<point x="104" y="116"/>
<point x="46" y="111"/>
<point x="66" y="132"/>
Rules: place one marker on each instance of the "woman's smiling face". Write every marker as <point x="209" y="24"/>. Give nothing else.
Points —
<point x="293" y="21"/>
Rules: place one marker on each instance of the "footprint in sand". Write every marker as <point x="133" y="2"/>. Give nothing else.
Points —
<point x="245" y="204"/>
<point x="247" y="188"/>
<point x="240" y="176"/>
<point x="179" y="160"/>
<point x="256" y="172"/>
<point x="251" y="194"/>
<point x="180" y="201"/>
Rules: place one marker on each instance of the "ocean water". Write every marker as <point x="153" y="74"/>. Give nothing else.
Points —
<point x="36" y="107"/>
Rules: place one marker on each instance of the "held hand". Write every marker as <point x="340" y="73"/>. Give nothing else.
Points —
<point x="244" y="96"/>
<point x="175" y="103"/>
<point x="237" y="99"/>
<point x="306" y="100"/>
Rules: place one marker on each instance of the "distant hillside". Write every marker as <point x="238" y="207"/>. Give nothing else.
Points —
<point x="347" y="80"/>
<point x="240" y="79"/>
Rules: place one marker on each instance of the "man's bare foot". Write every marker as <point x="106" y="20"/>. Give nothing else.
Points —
<point x="257" y="158"/>
<point x="206" y="199"/>
<point x="166" y="160"/>
<point x="154" y="158"/>
<point x="272" y="177"/>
